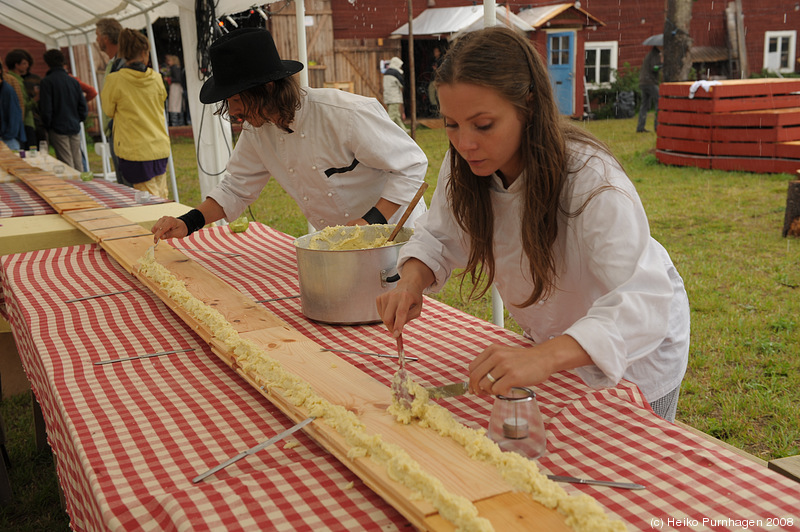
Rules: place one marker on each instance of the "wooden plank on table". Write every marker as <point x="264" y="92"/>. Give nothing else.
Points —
<point x="341" y="383"/>
<point x="788" y="467"/>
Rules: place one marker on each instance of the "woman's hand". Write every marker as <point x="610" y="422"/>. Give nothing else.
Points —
<point x="404" y="303"/>
<point x="500" y="367"/>
<point x="168" y="227"/>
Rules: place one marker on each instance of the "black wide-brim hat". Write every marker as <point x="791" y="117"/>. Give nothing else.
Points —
<point x="243" y="59"/>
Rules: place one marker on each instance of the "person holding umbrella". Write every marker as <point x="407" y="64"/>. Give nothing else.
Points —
<point x="648" y="85"/>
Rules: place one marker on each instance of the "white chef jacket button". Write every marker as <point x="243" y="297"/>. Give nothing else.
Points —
<point x="330" y="194"/>
<point x="314" y="167"/>
<point x="291" y="170"/>
<point x="550" y="337"/>
<point x="347" y="215"/>
<point x="305" y="198"/>
<point x="302" y="135"/>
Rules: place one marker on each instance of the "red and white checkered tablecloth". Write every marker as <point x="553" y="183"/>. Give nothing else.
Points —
<point x="130" y="436"/>
<point x="18" y="199"/>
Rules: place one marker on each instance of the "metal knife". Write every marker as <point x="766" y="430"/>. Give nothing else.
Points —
<point x="448" y="390"/>
<point x="253" y="449"/>
<point x="610" y="484"/>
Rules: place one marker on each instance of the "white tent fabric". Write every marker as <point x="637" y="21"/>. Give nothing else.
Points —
<point x="56" y="22"/>
<point x="59" y="23"/>
<point x="454" y="21"/>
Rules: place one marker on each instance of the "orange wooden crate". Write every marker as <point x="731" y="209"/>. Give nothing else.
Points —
<point x="751" y="125"/>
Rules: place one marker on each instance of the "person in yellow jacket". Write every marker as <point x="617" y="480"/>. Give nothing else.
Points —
<point x="134" y="97"/>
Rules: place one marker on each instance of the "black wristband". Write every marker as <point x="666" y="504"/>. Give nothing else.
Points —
<point x="374" y="216"/>
<point x="194" y="220"/>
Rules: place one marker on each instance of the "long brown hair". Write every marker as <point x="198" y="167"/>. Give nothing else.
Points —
<point x="281" y="98"/>
<point x="501" y="59"/>
<point x="132" y="44"/>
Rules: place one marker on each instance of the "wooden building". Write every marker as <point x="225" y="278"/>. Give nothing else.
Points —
<point x="348" y="39"/>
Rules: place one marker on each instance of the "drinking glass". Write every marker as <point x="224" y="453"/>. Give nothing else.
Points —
<point x="516" y="424"/>
<point x="42" y="148"/>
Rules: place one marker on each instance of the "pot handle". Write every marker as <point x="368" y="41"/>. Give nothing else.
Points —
<point x="387" y="279"/>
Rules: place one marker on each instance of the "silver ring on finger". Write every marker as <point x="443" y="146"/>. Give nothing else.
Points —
<point x="491" y="379"/>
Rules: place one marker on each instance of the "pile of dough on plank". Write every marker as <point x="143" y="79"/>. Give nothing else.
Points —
<point x="581" y="512"/>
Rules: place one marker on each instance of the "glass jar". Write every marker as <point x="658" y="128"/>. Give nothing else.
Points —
<point x="516" y="424"/>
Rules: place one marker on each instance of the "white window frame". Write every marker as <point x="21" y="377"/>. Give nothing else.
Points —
<point x="602" y="45"/>
<point x="792" y="36"/>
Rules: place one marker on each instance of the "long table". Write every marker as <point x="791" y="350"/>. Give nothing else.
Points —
<point x="129" y="436"/>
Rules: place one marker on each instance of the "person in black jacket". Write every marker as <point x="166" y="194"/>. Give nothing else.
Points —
<point x="62" y="107"/>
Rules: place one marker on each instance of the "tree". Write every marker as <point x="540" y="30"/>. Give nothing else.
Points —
<point x="677" y="42"/>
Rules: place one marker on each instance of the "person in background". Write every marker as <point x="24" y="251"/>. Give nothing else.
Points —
<point x="337" y="154"/>
<point x="648" y="85"/>
<point x="17" y="65"/>
<point x="432" y="96"/>
<point x="12" y="128"/>
<point x="176" y="88"/>
<point x="537" y="206"/>
<point x="393" y="92"/>
<point x="107" y="32"/>
<point x="134" y="98"/>
<point x="62" y="107"/>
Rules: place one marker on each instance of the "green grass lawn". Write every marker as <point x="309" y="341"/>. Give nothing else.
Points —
<point x="723" y="231"/>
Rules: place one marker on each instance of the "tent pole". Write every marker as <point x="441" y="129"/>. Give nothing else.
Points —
<point x="411" y="70"/>
<point x="212" y="135"/>
<point x="84" y="152"/>
<point x="302" y="50"/>
<point x="489" y="21"/>
<point x="489" y="13"/>
<point x="106" y="153"/>
<point x="156" y="68"/>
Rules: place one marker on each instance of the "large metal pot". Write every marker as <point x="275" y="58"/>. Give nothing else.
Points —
<point x="340" y="287"/>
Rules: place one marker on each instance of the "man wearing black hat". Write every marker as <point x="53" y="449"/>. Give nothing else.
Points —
<point x="337" y="154"/>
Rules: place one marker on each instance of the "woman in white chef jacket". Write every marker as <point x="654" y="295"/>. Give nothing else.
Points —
<point x="337" y="154"/>
<point x="535" y="205"/>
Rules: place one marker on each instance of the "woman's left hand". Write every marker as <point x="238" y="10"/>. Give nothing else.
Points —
<point x="500" y="367"/>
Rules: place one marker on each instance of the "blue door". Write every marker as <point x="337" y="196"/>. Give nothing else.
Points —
<point x="561" y="65"/>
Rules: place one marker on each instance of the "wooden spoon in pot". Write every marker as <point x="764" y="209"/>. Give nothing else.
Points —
<point x="410" y="208"/>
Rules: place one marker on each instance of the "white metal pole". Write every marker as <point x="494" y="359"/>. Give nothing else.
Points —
<point x="302" y="50"/>
<point x="105" y="152"/>
<point x="489" y="20"/>
<point x="154" y="60"/>
<point x="84" y="153"/>
<point x="489" y="15"/>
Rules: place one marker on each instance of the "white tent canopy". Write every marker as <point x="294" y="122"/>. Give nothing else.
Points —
<point x="60" y="23"/>
<point x="455" y="21"/>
